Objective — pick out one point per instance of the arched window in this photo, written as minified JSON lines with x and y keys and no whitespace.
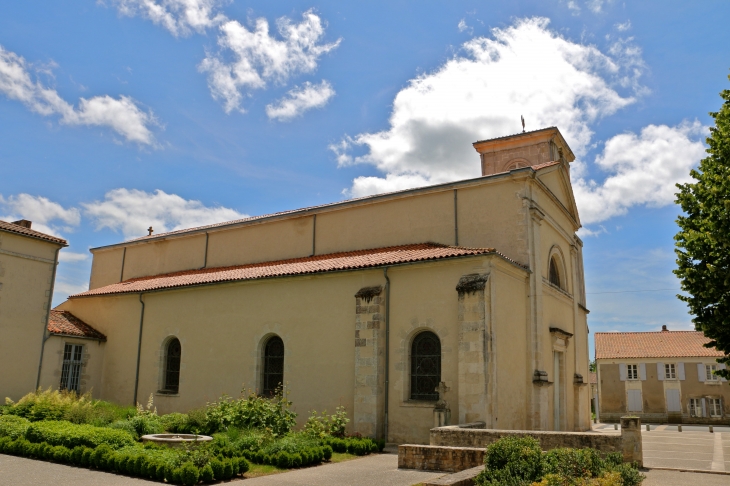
{"x":171,"y":377}
{"x":273,"y":365}
{"x":425,"y":366}
{"x":555,"y":272}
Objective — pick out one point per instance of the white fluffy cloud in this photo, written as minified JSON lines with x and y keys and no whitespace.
{"x":525,"y":69}
{"x":132,"y":211}
{"x":68,"y":256}
{"x":180,"y":17}
{"x":47,"y":216}
{"x":121,"y":115}
{"x":643,"y":170}
{"x":251,"y":59}
{"x":299,"y":100}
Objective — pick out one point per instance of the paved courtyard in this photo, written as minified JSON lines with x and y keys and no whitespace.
{"x":693,"y":448}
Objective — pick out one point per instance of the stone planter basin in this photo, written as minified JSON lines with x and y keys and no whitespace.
{"x":176,"y":440}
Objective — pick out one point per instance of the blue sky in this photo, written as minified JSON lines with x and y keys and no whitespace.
{"x":115,"y":115}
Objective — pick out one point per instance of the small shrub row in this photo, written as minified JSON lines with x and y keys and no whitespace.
{"x":128,"y":462}
{"x":62,"y":433}
{"x":519,"y":461}
{"x":353,"y":445}
{"x":288,"y":460}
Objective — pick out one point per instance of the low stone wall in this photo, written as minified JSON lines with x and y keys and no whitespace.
{"x":439,"y":458}
{"x":459,"y":447}
{"x":456,"y":436}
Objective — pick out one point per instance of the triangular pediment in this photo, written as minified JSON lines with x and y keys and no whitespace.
{"x":557,"y":181}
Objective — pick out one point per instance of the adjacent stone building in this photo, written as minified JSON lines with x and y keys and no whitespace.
{"x":662,"y":377}
{"x":369,"y":303}
{"x":28,"y":261}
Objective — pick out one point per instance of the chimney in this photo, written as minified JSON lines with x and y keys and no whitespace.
{"x":664,"y":328}
{"x":525,"y":149}
{"x":24,"y":223}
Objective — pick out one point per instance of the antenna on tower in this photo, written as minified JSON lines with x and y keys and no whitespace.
{"x":523,"y":123}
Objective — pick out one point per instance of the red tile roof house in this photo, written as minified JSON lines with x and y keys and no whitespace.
{"x":663,"y":377}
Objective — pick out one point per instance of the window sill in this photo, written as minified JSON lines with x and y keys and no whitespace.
{"x":712,"y":382}
{"x":162,"y":393}
{"x":418,"y":404}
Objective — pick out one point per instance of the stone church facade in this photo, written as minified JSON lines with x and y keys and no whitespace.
{"x":368,"y":303}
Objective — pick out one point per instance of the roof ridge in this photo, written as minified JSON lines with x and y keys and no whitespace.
{"x":317,"y":206}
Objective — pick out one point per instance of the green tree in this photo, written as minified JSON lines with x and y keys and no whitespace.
{"x":703,"y":242}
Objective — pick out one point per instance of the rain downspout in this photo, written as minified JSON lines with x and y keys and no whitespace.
{"x":124,"y":257}
{"x":387,"y":351}
{"x":456,"y":220}
{"x":139,"y":347}
{"x":48,"y":315}
{"x":205,"y":259}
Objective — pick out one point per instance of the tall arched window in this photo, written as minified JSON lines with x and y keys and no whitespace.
{"x":425,"y":366}
{"x":273,"y":365}
{"x":171,"y":377}
{"x":555,"y":272}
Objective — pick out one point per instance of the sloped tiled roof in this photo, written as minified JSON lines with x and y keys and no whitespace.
{"x":63,"y":322}
{"x":332,"y":262}
{"x":22,"y":230}
{"x":313,"y":208}
{"x":662,"y":344}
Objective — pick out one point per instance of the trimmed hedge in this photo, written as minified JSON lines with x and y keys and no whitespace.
{"x":141,"y":462}
{"x":62,"y":433}
{"x":13,"y":426}
{"x":354,"y":445}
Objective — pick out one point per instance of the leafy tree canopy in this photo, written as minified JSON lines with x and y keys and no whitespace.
{"x":703,"y":242}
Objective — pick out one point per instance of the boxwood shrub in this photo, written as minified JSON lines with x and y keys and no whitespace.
{"x":72,"y":435}
{"x":13,"y":426}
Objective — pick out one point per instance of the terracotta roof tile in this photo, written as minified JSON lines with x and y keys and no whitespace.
{"x":63,"y":322}
{"x":662,"y":344}
{"x":350,"y":260}
{"x":22,"y":230}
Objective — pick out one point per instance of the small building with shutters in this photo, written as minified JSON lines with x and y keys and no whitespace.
{"x":662,"y":377}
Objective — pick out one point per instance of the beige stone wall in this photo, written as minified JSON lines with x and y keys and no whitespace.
{"x":106,"y":267}
{"x":504,"y":160}
{"x":26,"y":269}
{"x":91,"y":368}
{"x":488,"y":213}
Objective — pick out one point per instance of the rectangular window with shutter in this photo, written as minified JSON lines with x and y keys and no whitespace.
{"x":670,"y":371}
{"x":715,"y":406}
{"x":632,"y":372}
{"x":710,"y":373}
{"x":695,"y":407}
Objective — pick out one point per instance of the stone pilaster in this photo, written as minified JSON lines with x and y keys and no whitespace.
{"x":369,"y":362}
{"x":475,"y":351}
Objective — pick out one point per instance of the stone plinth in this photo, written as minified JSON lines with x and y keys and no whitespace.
{"x":631,"y":440}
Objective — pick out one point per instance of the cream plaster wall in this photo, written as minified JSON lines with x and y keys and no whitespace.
{"x":164,"y":256}
{"x":276,"y":240}
{"x":106,"y":267}
{"x":26,"y":269}
{"x":91,"y":368}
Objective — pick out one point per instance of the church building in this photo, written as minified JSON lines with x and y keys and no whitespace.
{"x":368,"y":303}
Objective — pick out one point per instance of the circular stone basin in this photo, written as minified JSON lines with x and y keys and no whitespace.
{"x":176,"y":440}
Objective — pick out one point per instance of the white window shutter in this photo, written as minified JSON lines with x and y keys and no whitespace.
{"x":680,"y":371}
{"x":721,"y":366}
{"x":701,"y":373}
{"x":704,"y":407}
{"x":660,"y":371}
{"x":622,"y":371}
{"x":642,"y":371}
